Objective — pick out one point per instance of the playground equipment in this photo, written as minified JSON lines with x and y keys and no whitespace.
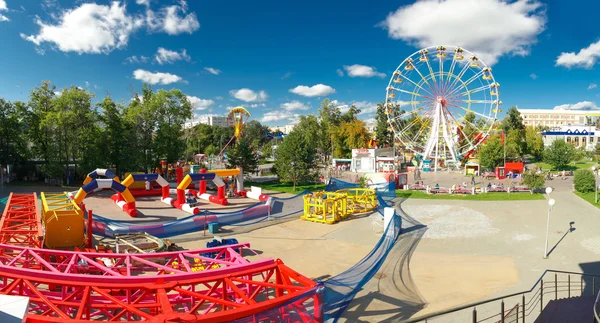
{"x":63,"y":221}
{"x":237,"y":118}
{"x":331,"y":207}
{"x":124,"y":200}
{"x":452,"y":113}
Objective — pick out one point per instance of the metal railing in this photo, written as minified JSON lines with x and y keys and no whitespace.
{"x":596,"y":304}
{"x":524,"y":306}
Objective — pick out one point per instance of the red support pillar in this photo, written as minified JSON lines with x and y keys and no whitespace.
{"x":202,"y":188}
{"x":179,"y":174}
{"x":89,"y":229}
{"x":165,"y":192}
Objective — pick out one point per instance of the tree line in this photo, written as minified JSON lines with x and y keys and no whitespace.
{"x":62,"y":134}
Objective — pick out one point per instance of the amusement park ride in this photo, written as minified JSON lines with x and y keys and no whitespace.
{"x":47,"y":256}
{"x":435,"y":126}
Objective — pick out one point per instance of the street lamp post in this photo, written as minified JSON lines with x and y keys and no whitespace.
{"x":551,"y":203}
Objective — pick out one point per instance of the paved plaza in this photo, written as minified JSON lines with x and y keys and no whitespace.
{"x":464,"y":251}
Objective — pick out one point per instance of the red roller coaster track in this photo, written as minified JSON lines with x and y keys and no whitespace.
{"x":20,"y":223}
{"x":208,"y":285}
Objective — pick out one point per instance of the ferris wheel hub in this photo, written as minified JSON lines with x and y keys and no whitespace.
{"x":441,"y":100}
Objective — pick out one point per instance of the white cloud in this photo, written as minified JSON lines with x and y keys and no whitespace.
{"x":219,"y":97}
{"x":315,"y":90}
{"x":156,"y":78}
{"x":533,"y":76}
{"x":89,"y":28}
{"x":3,"y":7}
{"x":165,"y":56}
{"x":135,"y":60}
{"x":273,"y":116}
{"x":256,"y":105}
{"x":169,"y":20}
{"x":57,"y":93}
{"x":212,"y":71}
{"x":294,"y":105}
{"x":592,"y":86}
{"x":339,"y":72}
{"x":87,"y":84}
{"x":248,"y":95}
{"x":143,"y":2}
{"x":584,"y":105}
{"x":358,"y":70}
{"x":366,"y":107}
{"x":200,"y":104}
{"x":586,"y":58}
{"x":503,"y":27}
{"x":286,"y":75}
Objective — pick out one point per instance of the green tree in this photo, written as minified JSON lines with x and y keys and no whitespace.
{"x":513,"y":120}
{"x":383,"y":135}
{"x":75,"y":131}
{"x":13,"y":145}
{"x":329,"y":116}
{"x":584,"y":181}
{"x":559,"y":154}
{"x":171,"y":109}
{"x":295,"y":159}
{"x":308,"y":126}
{"x":40,"y":105}
{"x":266,"y":151}
{"x":242,"y":154}
{"x":533,"y":181}
{"x":114,"y":132}
{"x":515,"y":143}
{"x":491,"y":154}
{"x":597,"y":149}
{"x":534,"y":142}
{"x":256,"y":133}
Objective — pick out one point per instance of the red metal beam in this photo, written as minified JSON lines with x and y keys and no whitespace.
{"x":20,"y":224}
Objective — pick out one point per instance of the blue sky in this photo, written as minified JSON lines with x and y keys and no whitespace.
{"x":287,"y":56}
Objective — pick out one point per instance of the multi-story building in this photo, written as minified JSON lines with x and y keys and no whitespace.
{"x":557,"y":118}
{"x":209,"y":119}
{"x":579,"y":136}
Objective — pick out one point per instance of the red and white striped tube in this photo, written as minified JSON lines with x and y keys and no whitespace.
{"x":129,"y":208}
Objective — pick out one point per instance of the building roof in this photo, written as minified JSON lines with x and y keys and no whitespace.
{"x":581,"y":112}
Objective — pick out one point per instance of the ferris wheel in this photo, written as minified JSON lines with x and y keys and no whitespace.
{"x":441,"y":103}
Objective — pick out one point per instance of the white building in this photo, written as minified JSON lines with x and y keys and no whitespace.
{"x":578,"y":136}
{"x":209,"y":119}
{"x":285,"y":129}
{"x":557,"y":118}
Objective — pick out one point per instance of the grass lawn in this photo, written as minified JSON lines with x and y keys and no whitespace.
{"x":477,"y":197}
{"x":287,"y":187}
{"x":590,"y":196}
{"x":572,"y":166}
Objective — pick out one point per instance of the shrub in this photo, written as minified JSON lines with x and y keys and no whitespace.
{"x":362,"y":181}
{"x":533,"y":181}
{"x":584,"y":181}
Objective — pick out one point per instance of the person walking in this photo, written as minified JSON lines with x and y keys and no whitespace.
{"x":472,"y":179}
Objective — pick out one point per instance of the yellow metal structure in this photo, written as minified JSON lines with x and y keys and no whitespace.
{"x":225,"y":172}
{"x":331,"y":207}
{"x":63,"y":221}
